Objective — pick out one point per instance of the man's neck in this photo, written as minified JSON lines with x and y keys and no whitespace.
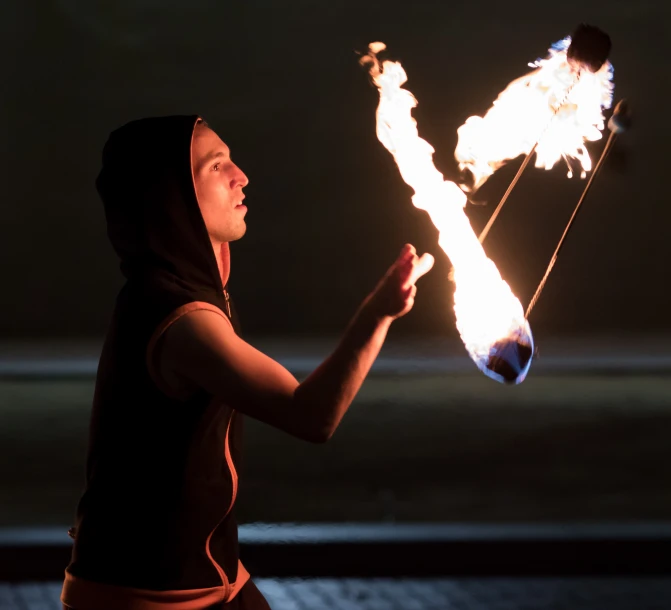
{"x":216,"y":246}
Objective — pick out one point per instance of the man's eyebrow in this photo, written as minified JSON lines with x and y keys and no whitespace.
{"x":211,"y":156}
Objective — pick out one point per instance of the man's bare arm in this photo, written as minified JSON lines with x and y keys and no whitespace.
{"x":203,"y":349}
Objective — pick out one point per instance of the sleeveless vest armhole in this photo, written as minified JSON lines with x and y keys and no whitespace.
{"x":152,"y":353}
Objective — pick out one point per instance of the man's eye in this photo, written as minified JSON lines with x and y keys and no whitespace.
{"x":216,"y":167}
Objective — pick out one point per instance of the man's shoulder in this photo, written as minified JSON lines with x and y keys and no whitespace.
{"x":193,"y":337}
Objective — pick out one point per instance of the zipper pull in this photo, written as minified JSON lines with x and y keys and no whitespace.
{"x":228,"y":303}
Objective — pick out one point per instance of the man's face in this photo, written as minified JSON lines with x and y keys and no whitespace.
{"x":219,"y":183}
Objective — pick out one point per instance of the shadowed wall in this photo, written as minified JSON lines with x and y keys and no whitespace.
{"x":327,"y":208}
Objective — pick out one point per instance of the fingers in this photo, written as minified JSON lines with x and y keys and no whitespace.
{"x":407,"y":252}
{"x":403,"y":265}
{"x":413,"y":292}
{"x":410,"y":298}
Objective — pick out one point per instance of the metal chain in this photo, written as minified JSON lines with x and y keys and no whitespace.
{"x":553,"y":260}
{"x":525,"y":163}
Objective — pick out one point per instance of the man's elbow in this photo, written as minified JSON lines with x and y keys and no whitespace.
{"x":318,"y":435}
{"x":312,"y":422}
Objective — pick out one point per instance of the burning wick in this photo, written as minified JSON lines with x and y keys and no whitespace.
{"x":489,"y":317}
{"x":551,"y":111}
{"x":587,"y":52}
{"x":589,"y":48}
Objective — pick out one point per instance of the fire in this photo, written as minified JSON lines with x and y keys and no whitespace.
{"x":558,"y":106}
{"x":489,"y":317}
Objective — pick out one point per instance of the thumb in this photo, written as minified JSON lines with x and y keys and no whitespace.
{"x":420,"y":268}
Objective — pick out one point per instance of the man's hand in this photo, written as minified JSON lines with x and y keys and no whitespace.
{"x":394,"y":296}
{"x":201,"y":350}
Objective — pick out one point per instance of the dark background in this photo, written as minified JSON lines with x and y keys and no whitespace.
{"x":327,"y":208}
{"x":428,"y":439}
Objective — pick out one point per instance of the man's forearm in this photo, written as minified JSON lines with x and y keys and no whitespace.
{"x":324,"y":397}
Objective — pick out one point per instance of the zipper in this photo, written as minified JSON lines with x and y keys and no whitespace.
{"x":234,"y":484}
{"x":228,"y":306}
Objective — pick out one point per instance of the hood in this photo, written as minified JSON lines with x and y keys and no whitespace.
{"x":153,"y":218}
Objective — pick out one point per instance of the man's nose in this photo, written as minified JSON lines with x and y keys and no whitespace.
{"x":239,"y":179}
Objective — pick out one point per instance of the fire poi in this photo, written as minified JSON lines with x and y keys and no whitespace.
{"x":551,"y":112}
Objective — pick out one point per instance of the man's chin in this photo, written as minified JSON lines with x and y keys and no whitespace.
{"x":240,"y":232}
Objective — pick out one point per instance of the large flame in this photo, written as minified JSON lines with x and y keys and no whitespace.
{"x":559,"y":105}
{"x":486,"y":309}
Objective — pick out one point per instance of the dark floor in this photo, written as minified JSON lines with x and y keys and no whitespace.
{"x":446,"y":448}
{"x":407,"y":594}
{"x":426,"y":440}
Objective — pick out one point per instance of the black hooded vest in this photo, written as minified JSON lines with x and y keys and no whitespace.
{"x":155,"y":523}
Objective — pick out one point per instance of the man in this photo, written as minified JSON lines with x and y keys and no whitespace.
{"x":155,"y":527}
